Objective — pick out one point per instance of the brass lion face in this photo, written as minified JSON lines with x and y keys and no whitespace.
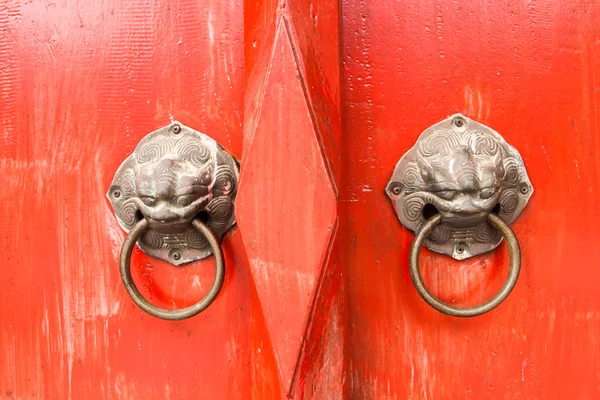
{"x":462,"y":170}
{"x":174,"y":175}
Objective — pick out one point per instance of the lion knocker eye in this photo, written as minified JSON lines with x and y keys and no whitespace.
{"x":447,"y":194}
{"x":186,"y":200}
{"x":486,"y":193}
{"x":148,"y":200}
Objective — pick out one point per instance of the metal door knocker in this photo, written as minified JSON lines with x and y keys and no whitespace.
{"x":459,"y":188}
{"x":175,"y":197}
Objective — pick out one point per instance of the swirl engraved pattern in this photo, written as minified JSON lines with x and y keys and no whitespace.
{"x":153,"y":239}
{"x":481,"y":143}
{"x":511,"y":172}
{"x":509,"y":200}
{"x":484,"y":233}
{"x":195,"y":239}
{"x":153,"y":150}
{"x":412,"y":177}
{"x":440,"y":234}
{"x":441,"y":141}
{"x":128,"y":212}
{"x":225,"y":181}
{"x":127,"y":183}
{"x":190,"y":149}
{"x":413,"y":208}
{"x":445,"y":141}
{"x":221,"y":211}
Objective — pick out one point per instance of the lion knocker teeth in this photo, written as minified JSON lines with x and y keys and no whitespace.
{"x":463,"y":171}
{"x":175,"y":175}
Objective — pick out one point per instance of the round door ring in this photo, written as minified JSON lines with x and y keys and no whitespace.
{"x":513,"y":272}
{"x":125,"y":266}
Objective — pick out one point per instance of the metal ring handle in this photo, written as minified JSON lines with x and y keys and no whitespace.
{"x":513,"y":272}
{"x":125,"y":266}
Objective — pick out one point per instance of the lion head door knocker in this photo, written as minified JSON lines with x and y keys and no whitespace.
{"x":459,"y":188}
{"x":175,"y":197}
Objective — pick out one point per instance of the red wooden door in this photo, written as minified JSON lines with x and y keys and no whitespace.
{"x":81,"y":83}
{"x":319,"y":100}
{"x":530,"y":71}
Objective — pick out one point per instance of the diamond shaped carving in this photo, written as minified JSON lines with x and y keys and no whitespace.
{"x":286,"y":207}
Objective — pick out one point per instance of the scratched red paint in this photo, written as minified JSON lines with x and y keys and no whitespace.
{"x":286,"y":191}
{"x":80,"y":84}
{"x":285,"y":251}
{"x":530,"y":70}
{"x":82,"y":81}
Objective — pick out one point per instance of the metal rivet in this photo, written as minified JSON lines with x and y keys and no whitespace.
{"x":524,"y":189}
{"x":116,"y":194}
{"x":175,"y":255}
{"x":176,"y":129}
{"x":459,"y":122}
{"x":396,"y":189}
{"x":461,"y":248}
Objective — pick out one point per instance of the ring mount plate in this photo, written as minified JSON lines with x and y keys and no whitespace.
{"x":462,"y":170}
{"x":174,"y":175}
{"x":179,"y":314}
{"x":514,"y":269}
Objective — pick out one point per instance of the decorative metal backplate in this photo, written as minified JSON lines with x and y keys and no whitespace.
{"x":174,"y":175}
{"x":463,"y":170}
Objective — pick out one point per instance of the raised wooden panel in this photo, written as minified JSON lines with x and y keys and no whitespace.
{"x":286,"y":207}
{"x":314,"y":28}
{"x":318,"y":350}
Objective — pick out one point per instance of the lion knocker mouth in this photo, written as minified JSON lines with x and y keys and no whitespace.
{"x":176,"y":174}
{"x":463,"y":171}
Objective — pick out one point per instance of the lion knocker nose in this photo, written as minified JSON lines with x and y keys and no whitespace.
{"x":175,"y":196}
{"x":458,"y":189}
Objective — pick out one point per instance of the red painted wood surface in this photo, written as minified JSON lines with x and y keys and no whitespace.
{"x":319,"y":100}
{"x":81,"y":82}
{"x":286,"y":207}
{"x":288,"y":193}
{"x":531,"y":71}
